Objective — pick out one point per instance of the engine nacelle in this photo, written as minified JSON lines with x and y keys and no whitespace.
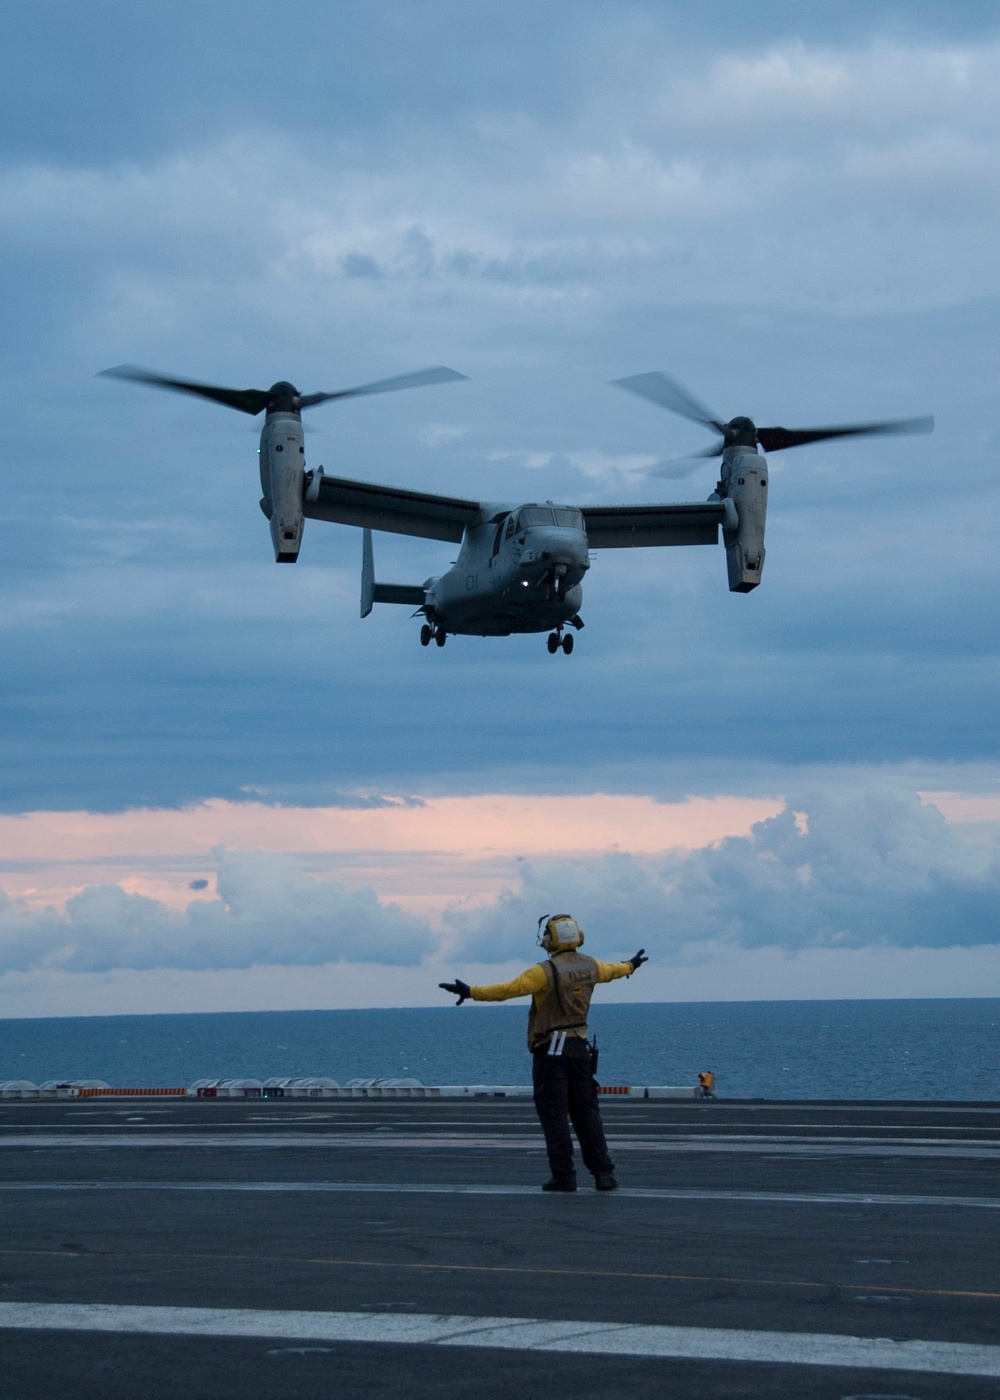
{"x":744,"y":479}
{"x":282,"y":462}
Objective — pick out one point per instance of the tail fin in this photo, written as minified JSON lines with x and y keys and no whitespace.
{"x":367,"y":573}
{"x":372,"y":592}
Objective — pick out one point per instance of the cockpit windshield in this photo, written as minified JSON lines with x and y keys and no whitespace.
{"x":566,"y":516}
{"x":534,"y":515}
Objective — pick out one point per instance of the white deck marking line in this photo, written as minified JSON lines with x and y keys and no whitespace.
{"x":127,"y":1131}
{"x":513,"y":1334}
{"x":523,"y":1117}
{"x":330,"y":1142}
{"x":391,"y":1188}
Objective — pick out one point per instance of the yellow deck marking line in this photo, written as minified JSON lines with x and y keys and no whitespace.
{"x":505,"y":1269}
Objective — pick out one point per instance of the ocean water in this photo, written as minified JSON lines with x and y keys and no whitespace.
{"x":928,"y":1049}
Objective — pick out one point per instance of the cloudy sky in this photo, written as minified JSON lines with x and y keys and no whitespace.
{"x":220,"y":788}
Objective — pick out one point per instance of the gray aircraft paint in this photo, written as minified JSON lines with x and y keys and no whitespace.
{"x":520,"y":568}
{"x":743,"y":487}
{"x":515,"y":572}
{"x":282,"y":464}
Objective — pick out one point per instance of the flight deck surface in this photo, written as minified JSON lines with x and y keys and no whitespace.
{"x":302,"y":1248}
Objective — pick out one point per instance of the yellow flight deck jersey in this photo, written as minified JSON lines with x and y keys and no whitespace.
{"x":541,"y":981}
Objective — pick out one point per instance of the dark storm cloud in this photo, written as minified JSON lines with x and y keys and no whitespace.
{"x":799,"y":218}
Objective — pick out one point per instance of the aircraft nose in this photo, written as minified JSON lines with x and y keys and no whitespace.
{"x":567,"y":548}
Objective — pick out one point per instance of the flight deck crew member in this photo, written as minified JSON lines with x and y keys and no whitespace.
{"x":562,"y":1060}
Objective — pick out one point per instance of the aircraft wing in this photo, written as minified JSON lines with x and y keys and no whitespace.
{"x":629,"y":527}
{"x":390,"y":508}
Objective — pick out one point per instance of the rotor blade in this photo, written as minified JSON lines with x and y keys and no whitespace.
{"x":667,"y":393}
{"x":438,"y":374}
{"x":774,"y":439}
{"x":245,"y":400}
{"x":674,"y":468}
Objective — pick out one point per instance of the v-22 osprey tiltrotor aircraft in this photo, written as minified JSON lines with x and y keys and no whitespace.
{"x":521,"y":566}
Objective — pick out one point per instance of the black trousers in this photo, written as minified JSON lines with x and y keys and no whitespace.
{"x":566,"y":1090}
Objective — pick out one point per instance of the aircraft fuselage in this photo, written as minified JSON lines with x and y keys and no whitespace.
{"x":519,"y":570}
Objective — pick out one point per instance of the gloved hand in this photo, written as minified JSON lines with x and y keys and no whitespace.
{"x":458,"y":989}
{"x":637,"y":959}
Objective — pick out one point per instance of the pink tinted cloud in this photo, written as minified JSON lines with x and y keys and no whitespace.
{"x":495,"y":822}
{"x":961,"y":808}
{"x":421,"y":856}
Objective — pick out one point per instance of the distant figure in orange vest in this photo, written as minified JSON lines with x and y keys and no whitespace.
{"x":563,"y":1063}
{"x":706,"y":1083}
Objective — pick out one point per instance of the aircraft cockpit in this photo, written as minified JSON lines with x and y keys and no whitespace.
{"x":566,"y":517}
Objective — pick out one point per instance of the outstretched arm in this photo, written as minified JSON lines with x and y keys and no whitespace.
{"x":608,"y":972}
{"x":531,"y":980}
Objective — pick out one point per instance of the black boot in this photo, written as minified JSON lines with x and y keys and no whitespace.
{"x":560,"y":1183}
{"x":606,"y":1182}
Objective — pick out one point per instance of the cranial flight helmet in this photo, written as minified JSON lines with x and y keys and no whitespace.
{"x":560,"y":933}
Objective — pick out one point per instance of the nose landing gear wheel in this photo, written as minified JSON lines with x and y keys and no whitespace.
{"x":567,"y":643}
{"x":440,"y":636}
{"x":553,"y":643}
{"x":425,"y":635}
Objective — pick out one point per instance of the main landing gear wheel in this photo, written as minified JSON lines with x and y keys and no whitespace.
{"x":425,"y":635}
{"x":567,"y":643}
{"x":553,"y":643}
{"x":440,"y":636}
